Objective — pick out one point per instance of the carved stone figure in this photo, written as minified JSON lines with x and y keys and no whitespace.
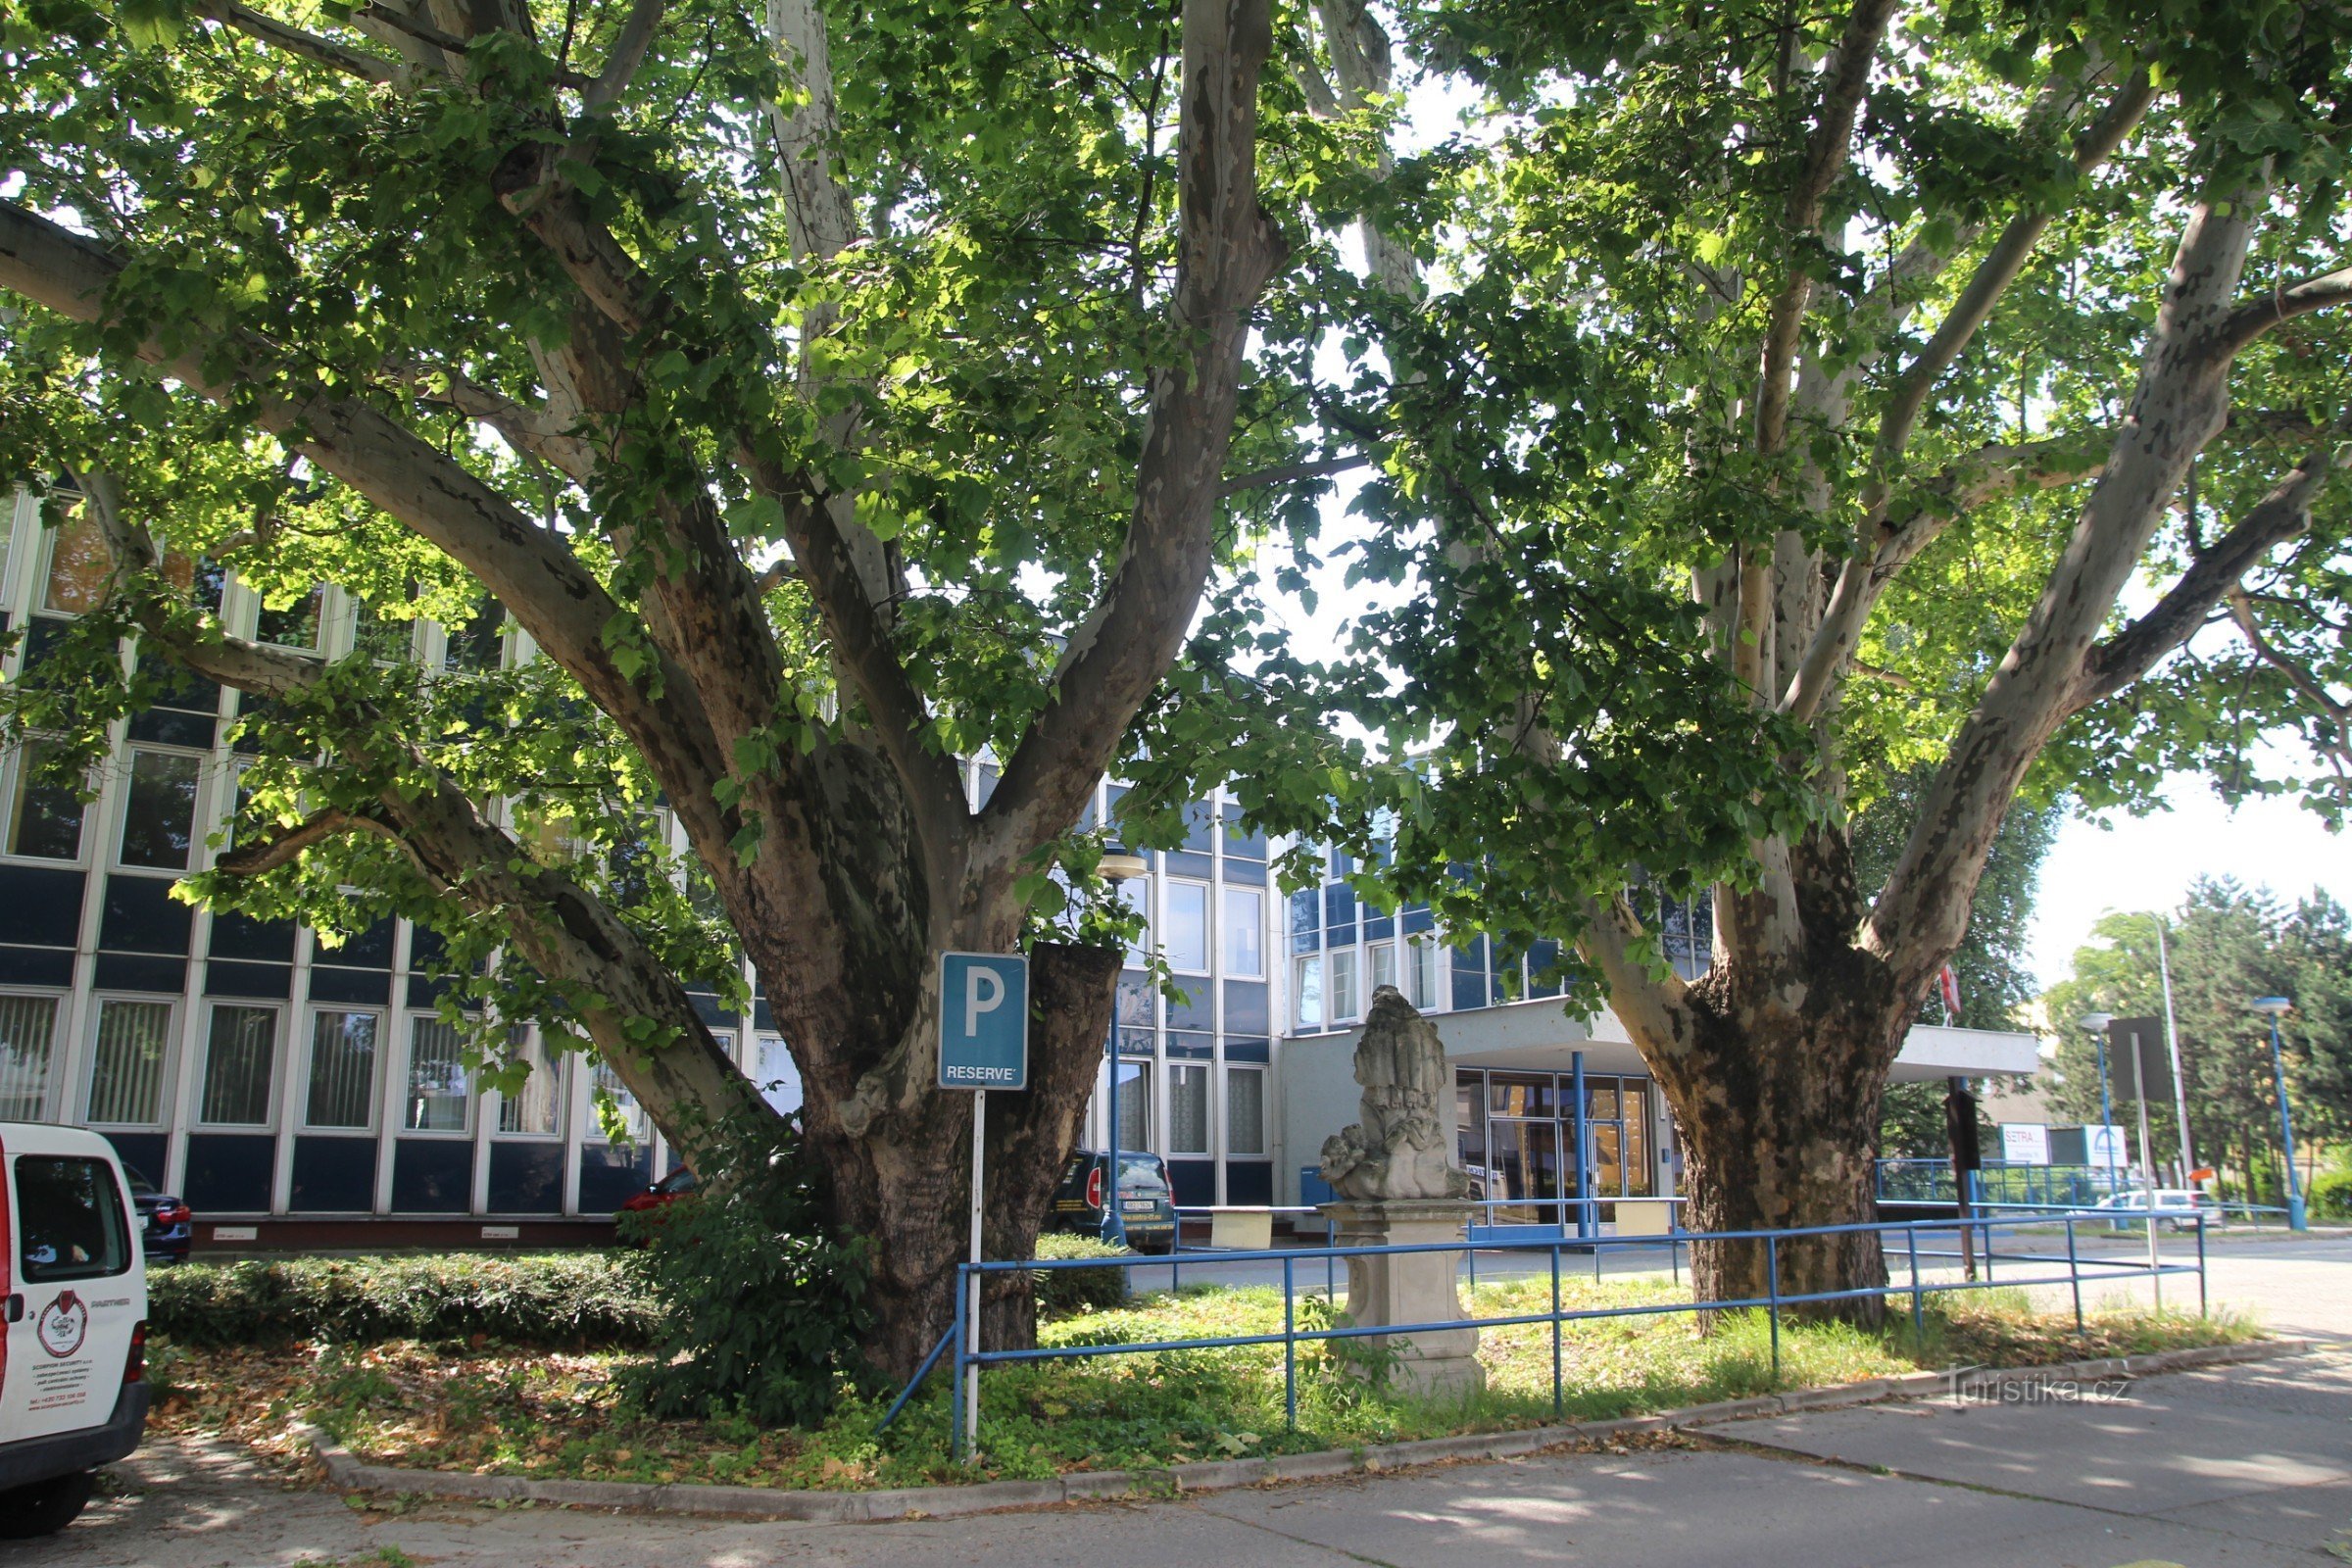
{"x":1402,"y":1147}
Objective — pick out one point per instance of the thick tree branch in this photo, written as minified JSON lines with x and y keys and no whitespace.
{"x":2253,"y":318}
{"x":558,"y":927}
{"x":628,"y":53}
{"x":1827,"y":150}
{"x":566,"y":609}
{"x":1995,"y":272}
{"x":1228,"y":251}
{"x":2189,"y":605}
{"x":1292,"y":474}
{"x":295,"y":41}
{"x":2181,"y":402}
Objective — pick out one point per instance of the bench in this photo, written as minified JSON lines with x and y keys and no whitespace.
{"x":1645,"y":1216}
{"x":1242,"y":1229}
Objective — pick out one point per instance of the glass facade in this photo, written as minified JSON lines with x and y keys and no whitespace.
{"x":1517,"y":1132}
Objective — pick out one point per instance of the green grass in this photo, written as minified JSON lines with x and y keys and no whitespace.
{"x":497,"y":1409}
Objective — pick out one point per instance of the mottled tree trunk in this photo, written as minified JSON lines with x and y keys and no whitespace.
{"x":899,"y":1183}
{"x":1778,"y":1127}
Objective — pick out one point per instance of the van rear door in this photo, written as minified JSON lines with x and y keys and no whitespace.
{"x":76,"y":1290}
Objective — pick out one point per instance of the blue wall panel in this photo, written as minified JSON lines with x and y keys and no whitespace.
{"x":432,"y":1176}
{"x":333,"y":1175}
{"x":228,"y":1173}
{"x":526,"y":1178}
{"x":609,"y":1175}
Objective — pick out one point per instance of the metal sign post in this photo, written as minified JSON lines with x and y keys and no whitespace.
{"x":2142,"y":1080}
{"x":983,"y":1045}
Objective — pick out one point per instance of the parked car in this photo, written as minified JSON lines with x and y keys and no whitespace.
{"x":73,"y":1323}
{"x":166,"y":1226}
{"x":664,"y":1192}
{"x":1147,"y":1200}
{"x":2175,"y":1208}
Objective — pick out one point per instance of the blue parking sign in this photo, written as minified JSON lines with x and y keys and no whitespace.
{"x":982,"y":1020}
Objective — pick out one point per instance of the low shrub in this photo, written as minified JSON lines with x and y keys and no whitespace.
{"x":1067,"y":1292}
{"x":554,"y":1300}
{"x":2330,"y":1195}
{"x":759,"y":1306}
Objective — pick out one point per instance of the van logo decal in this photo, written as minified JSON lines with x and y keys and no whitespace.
{"x":63,"y":1324}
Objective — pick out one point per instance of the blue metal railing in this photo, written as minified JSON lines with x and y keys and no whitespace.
{"x":1906,"y":1236}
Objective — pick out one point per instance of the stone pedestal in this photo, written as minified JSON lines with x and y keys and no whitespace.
{"x":1410,"y":1287}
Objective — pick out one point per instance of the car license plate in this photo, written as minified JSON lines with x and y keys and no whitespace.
{"x":1138,"y":1205}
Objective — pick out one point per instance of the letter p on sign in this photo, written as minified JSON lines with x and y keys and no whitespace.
{"x":982,"y":1020}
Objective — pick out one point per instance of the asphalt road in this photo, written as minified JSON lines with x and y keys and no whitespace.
{"x":2245,"y":1465}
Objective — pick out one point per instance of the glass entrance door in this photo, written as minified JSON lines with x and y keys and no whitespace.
{"x":1525,"y":1171}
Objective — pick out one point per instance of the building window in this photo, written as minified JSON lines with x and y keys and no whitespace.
{"x":158,"y":817}
{"x":79,"y":565}
{"x":44,"y":815}
{"x":1245,"y":1110}
{"x":617,"y":1113}
{"x":1135,"y":1105}
{"x":1309,"y":991}
{"x":437,"y":1100}
{"x":1424,"y":970}
{"x":295,"y":626}
{"x":1380,"y":959}
{"x":240,"y":1067}
{"x":1343,"y":998}
{"x":27,"y":1037}
{"x":342,"y":1069}
{"x":1188,"y":1107}
{"x":476,"y":646}
{"x":380,"y":638}
{"x":777,"y":1073}
{"x":1244,"y":933}
{"x":1184,"y":909}
{"x":535,"y":1107}
{"x":126,"y":1069}
{"x":1137,"y":896}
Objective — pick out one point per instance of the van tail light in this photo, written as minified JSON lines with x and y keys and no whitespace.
{"x":134,"y":1370}
{"x":1093,"y":1188}
{"x":179,"y":1214}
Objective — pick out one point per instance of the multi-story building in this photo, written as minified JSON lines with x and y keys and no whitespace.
{"x":290,"y":1089}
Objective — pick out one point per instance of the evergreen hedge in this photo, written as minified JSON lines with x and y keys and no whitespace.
{"x":553,"y":1300}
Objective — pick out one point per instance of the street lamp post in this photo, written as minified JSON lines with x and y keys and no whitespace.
{"x":2272,"y":1008}
{"x":1119,"y":869}
{"x":2096,"y":1023}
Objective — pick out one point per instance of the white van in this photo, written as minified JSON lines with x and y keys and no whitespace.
{"x":73,"y":1297}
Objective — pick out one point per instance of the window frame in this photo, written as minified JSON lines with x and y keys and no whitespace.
{"x":1300,"y":963}
{"x":1374,"y":954}
{"x":1179,"y":1073}
{"x":1342,"y":958}
{"x":129,"y":754}
{"x":100,"y":1000}
{"x":277,"y":1057}
{"x":558,"y":1068}
{"x":59,"y":1013}
{"x":1208,"y":924}
{"x":1232,"y":1070}
{"x":12,"y":778}
{"x":375,"y":1072}
{"x":408,"y":1081}
{"x":1230,"y":925}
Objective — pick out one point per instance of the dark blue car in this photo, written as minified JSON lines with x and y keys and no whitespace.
{"x":1146,"y":1206}
{"x":166,"y":1226}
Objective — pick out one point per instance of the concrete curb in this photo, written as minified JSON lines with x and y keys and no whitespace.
{"x":351,"y":1474}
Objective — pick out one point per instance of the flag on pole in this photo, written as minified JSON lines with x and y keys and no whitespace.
{"x":1947,"y":985}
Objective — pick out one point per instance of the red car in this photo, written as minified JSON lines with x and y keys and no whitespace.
{"x":668,"y":1190}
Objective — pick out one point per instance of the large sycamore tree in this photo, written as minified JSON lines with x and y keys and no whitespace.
{"x":825,"y":395}
{"x":1961,"y":387}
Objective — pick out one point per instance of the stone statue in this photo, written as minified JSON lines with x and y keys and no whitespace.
{"x":1401,"y":1148}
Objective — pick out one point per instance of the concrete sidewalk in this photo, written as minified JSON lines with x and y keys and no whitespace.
{"x":2250,"y":1464}
{"x":2243,"y":1465}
